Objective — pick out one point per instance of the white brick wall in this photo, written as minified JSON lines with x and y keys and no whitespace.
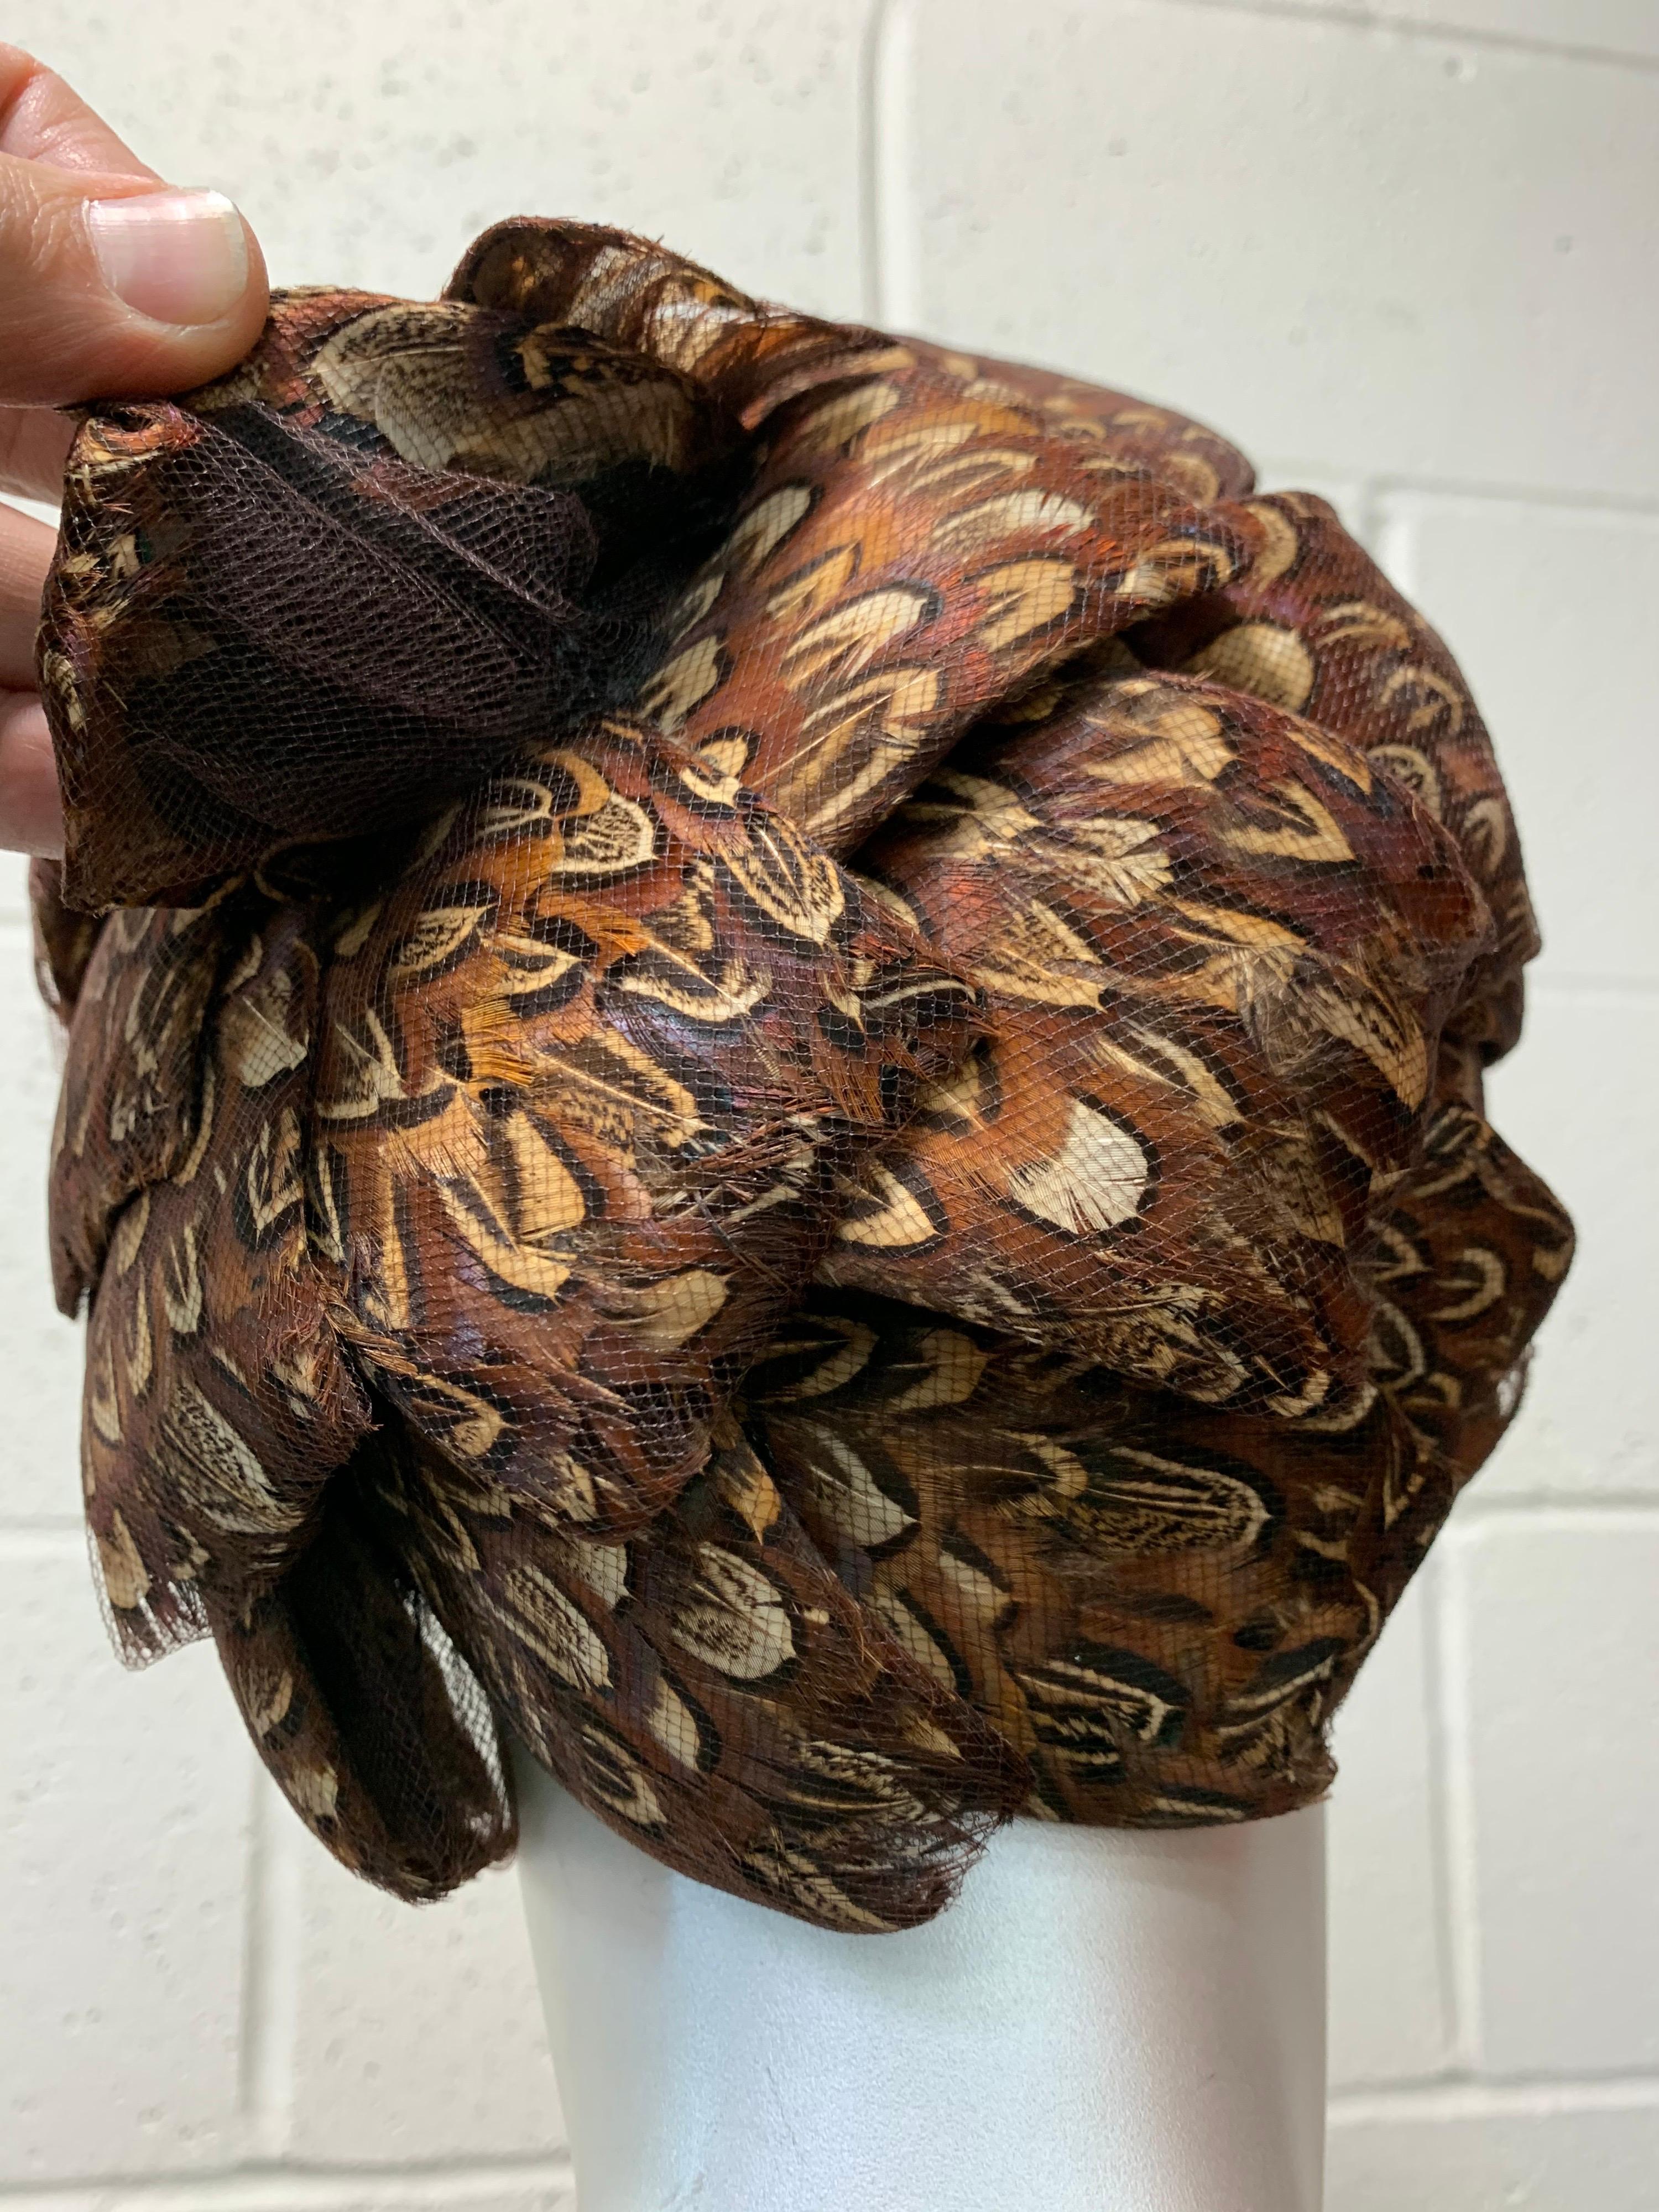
{"x":1406,"y":254}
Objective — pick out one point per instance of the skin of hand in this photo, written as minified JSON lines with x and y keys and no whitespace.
{"x":113,"y":282}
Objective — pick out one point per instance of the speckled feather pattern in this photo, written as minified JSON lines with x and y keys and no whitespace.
{"x":774,"y":1054}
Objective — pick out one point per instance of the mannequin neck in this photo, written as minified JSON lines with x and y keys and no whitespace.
{"x":1106,"y":2021}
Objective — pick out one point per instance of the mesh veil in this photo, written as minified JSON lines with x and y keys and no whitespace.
{"x":775,"y":1044}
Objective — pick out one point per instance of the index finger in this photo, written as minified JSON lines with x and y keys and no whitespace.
{"x":25,"y":557}
{"x":35,"y":443}
{"x":44,"y":119}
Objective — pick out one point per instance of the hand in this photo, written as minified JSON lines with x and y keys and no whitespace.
{"x":110,"y":282}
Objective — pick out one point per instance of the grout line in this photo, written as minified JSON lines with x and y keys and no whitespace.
{"x":1368,"y":516}
{"x":870,"y":177}
{"x":1567,"y":1516}
{"x":1571,"y":984}
{"x":1438,"y":1765}
{"x":24,"y":1540}
{"x":271,"y":1971}
{"x":1393,"y":546}
{"x":1568,"y":1508}
{"x":1397,"y":485}
{"x":260,"y":2185}
{"x":1385,"y":485}
{"x":886,"y":244}
{"x":1455,"y":1836}
{"x":1533,"y":2096}
{"x":1408,"y":27}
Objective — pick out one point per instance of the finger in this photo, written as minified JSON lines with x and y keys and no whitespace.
{"x":25,"y":556}
{"x":35,"y":443}
{"x":109,"y":285}
{"x":42,"y":119}
{"x":31,"y":812}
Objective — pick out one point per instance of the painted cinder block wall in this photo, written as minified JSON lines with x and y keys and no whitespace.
{"x":1406,"y":256}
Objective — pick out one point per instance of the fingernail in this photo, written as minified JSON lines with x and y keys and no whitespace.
{"x":176,"y":257}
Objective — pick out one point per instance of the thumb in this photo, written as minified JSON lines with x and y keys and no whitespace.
{"x":112,"y":283}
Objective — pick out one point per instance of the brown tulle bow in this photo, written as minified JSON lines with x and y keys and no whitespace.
{"x":781,"y":1085}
